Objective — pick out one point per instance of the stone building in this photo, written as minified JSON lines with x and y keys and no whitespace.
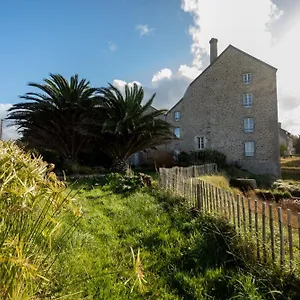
{"x":231,"y":107}
{"x":286,"y":140}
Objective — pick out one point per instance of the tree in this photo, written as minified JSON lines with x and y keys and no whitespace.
{"x":52,"y":117}
{"x":127,"y":125}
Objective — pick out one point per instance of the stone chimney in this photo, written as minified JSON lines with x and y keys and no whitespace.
{"x":213,"y":50}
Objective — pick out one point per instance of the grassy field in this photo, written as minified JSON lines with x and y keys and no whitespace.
{"x":147,"y":245}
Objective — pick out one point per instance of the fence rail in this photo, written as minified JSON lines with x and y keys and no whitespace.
{"x":269,"y":225}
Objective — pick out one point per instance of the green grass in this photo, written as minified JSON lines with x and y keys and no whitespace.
{"x":182,"y":255}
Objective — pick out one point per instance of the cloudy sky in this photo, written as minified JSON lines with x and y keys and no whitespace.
{"x":161,"y":44}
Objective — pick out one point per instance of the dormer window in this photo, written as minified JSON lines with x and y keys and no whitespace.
{"x":247,"y":78}
{"x":176,"y":116}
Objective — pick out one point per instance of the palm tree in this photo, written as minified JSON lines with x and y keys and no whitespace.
{"x":52,"y":116}
{"x":129,"y":126}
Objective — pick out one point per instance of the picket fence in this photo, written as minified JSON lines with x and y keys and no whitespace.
{"x":275,"y":231}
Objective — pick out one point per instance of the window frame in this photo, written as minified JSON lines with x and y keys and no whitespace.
{"x":200,"y":141}
{"x":247,"y":78}
{"x":177,"y":128}
{"x":177,"y":119}
{"x":248,"y":100}
{"x":247,"y":128}
{"x":246,"y":153}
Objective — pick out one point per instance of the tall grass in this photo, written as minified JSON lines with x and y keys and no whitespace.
{"x":150,"y":245}
{"x":33,"y":207}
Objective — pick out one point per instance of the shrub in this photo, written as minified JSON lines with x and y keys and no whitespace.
{"x":72,"y":168}
{"x":244,"y":184}
{"x":283,"y":149}
{"x":120,"y":184}
{"x":207,"y":156}
{"x":33,"y":206}
{"x":273,"y":195}
{"x":211,"y":156}
{"x":184,"y":159}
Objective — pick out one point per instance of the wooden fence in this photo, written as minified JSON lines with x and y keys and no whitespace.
{"x":275,"y":237}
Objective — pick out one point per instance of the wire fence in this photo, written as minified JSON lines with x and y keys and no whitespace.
{"x":269,"y":226}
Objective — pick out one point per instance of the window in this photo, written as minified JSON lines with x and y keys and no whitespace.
{"x":177,"y":132}
{"x":249,"y":148}
{"x":248,"y":125}
{"x":200,"y":142}
{"x":247,"y":100}
{"x":176,"y":115}
{"x":247,"y":78}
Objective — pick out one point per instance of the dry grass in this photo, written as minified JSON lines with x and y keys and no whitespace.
{"x":219,"y":180}
{"x":293,"y":161}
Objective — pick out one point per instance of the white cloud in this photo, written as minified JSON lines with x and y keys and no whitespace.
{"x":120,"y":84}
{"x":188,"y":72}
{"x":144,"y":29}
{"x":250,"y":26}
{"x":163,"y":73}
{"x":112,"y":46}
{"x":232,"y":22}
{"x":9,"y":133}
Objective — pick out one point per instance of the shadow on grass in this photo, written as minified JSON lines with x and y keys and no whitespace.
{"x":213,"y":262}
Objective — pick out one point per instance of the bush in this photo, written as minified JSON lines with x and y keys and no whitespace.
{"x":283,"y":149}
{"x":33,"y":206}
{"x":207,"y":156}
{"x":244,"y":184}
{"x":211,"y":156}
{"x":120,"y":184}
{"x":273,"y":195}
{"x":72,"y":168}
{"x":184,"y":159}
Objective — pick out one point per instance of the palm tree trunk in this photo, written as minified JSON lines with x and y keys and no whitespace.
{"x":120,"y":165}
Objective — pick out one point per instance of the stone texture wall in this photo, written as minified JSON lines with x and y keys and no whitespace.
{"x":213,"y":107}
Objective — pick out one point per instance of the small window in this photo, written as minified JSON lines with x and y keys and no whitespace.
{"x":177,"y":132}
{"x":249,"y":149}
{"x":247,"y":78}
{"x":200,"y":142}
{"x":176,"y":116}
{"x":247,"y":100}
{"x":248,"y":125}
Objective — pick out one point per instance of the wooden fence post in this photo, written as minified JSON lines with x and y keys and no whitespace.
{"x":264,"y":230}
{"x":198,"y":191}
{"x":250,"y":214}
{"x":238,"y":212}
{"x":256,"y":230}
{"x":233,"y":209}
{"x":244,"y":214}
{"x":282,"y":254}
{"x":272,"y":232}
{"x":290,"y":234}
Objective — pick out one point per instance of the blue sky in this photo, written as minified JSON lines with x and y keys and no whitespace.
{"x":101,"y":41}
{"x":67,"y":37}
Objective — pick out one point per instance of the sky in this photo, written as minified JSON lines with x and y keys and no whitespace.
{"x":163,"y":45}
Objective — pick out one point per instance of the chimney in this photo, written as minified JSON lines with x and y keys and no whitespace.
{"x":213,"y":50}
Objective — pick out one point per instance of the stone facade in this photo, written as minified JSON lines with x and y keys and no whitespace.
{"x":212,"y":112}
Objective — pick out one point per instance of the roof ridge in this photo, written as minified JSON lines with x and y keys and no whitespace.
{"x":211,"y":64}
